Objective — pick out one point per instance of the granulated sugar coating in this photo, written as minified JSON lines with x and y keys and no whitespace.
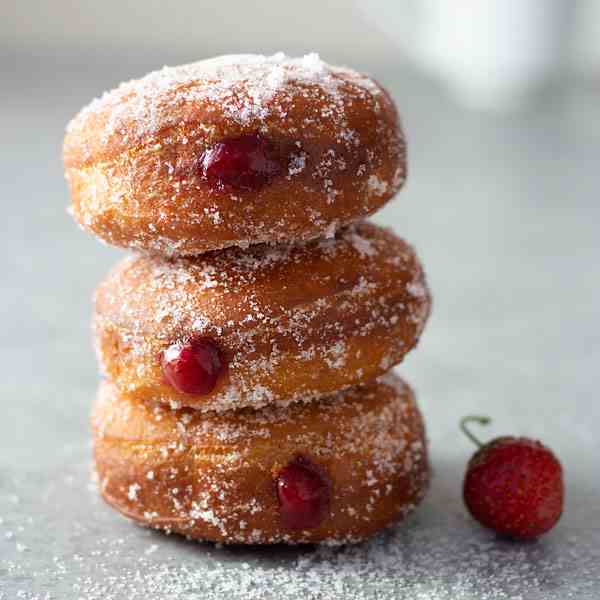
{"x":293,"y":321}
{"x":135,"y":158}
{"x":148,"y":102}
{"x":212,"y":476}
{"x":439,"y":554}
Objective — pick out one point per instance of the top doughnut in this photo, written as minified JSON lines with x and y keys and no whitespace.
{"x":234,"y":150}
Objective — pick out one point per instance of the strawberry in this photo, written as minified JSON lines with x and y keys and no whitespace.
{"x":513,"y":485}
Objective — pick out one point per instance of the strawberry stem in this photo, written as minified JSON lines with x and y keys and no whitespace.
{"x":473,"y":419}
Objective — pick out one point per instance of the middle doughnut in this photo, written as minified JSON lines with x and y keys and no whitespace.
{"x":265,"y":325}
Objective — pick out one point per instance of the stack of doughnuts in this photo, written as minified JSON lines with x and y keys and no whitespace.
{"x":247,"y":343}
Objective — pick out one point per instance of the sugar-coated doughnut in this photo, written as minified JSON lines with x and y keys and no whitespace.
{"x":231,"y":151}
{"x":268,"y":324}
{"x":218,"y":476}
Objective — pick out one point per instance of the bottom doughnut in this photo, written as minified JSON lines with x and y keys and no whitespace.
{"x":335,"y":470}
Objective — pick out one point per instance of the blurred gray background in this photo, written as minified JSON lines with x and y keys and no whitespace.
{"x":501,"y":104}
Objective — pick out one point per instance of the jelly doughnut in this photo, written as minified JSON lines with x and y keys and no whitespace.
{"x":335,"y":470}
{"x":232,"y":151}
{"x":268,"y":324}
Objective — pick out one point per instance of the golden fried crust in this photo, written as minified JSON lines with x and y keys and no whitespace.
{"x":131,"y":157}
{"x":293,"y":321}
{"x":213,"y":477}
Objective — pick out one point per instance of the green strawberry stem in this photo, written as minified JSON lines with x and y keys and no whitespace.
{"x":473,"y":419}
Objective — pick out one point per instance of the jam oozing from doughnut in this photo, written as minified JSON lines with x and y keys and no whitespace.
{"x":193,"y":367}
{"x":247,"y":162}
{"x":304,"y":494}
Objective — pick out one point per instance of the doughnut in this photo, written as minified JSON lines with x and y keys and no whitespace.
{"x":262,"y":325}
{"x":231,"y":151}
{"x":359,"y":456}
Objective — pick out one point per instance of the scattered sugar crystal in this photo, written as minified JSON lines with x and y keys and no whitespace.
{"x":132,"y":491}
{"x":377,"y":186}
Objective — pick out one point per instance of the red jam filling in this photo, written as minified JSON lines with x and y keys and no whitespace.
{"x":193,"y":367}
{"x":247,"y":162}
{"x":304,"y":494}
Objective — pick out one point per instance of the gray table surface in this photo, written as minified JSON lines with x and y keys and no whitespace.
{"x":504,"y":212}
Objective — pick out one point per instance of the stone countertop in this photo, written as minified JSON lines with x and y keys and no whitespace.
{"x":504,"y":212}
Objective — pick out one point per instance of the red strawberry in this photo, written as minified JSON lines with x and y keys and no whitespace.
{"x":513,"y":485}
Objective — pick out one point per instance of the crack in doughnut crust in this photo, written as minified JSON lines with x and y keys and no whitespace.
{"x":292,"y":321}
{"x":131,"y":157}
{"x":213,"y":476}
